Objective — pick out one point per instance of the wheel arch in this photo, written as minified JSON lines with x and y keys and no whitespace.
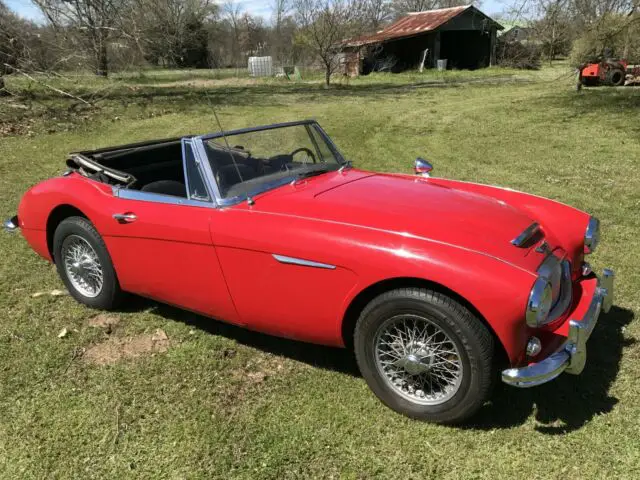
{"x":360,"y":301}
{"x":56,"y":216}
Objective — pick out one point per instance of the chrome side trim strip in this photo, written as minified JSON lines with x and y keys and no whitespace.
{"x":526,"y":235}
{"x":158,"y":198}
{"x":301,"y":262}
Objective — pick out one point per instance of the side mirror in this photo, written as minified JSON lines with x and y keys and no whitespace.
{"x":422,"y":167}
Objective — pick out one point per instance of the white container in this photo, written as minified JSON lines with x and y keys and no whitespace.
{"x":442,"y":64}
{"x":260,"y":66}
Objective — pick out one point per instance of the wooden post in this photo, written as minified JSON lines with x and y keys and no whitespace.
{"x":436,"y":49}
{"x":492,"y":46}
{"x":424,"y":57}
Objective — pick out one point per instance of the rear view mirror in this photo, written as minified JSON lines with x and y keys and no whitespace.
{"x":422,"y":167}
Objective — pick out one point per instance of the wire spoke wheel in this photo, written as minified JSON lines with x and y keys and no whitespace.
{"x":82,"y":266}
{"x":417,"y":359}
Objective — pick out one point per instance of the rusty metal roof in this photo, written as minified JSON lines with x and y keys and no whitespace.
{"x":412,"y":24}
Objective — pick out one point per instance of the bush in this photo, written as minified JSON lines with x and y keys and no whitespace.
{"x":616,"y":34}
{"x":518,"y":55}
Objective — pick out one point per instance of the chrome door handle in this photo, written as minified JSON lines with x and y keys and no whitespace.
{"x":125,"y":217}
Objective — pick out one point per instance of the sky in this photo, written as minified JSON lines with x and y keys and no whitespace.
{"x":262,"y":8}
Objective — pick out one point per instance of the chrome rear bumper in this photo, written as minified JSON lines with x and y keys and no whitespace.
{"x":572,"y":357}
{"x":11,"y":225}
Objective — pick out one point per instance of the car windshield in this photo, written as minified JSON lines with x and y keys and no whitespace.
{"x":259,"y":160}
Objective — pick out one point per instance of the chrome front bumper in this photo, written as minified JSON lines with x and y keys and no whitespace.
{"x":572,"y":356}
{"x":11,"y":225}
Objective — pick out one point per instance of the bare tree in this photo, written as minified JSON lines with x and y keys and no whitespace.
{"x":233,"y":13}
{"x":553,"y":30}
{"x":95,"y":21}
{"x":376,"y":13}
{"x":324,"y":24}
{"x":171,"y":31}
{"x":24,"y":45}
{"x":401,"y":7}
{"x":281,"y":9}
{"x":253,"y":35}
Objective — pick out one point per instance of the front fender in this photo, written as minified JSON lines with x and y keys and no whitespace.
{"x":496,"y":289}
{"x":566,"y":225}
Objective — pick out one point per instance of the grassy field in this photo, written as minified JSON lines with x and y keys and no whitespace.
{"x":153,"y":392}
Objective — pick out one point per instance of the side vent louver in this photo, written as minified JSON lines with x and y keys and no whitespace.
{"x":527,"y":236}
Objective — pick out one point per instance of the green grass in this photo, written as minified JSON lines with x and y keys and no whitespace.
{"x":223,"y":402}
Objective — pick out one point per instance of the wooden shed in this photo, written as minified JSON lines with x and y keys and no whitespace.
{"x":464,"y":36}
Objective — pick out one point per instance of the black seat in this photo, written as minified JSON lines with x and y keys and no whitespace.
{"x":166,"y":187}
{"x":229,"y":175}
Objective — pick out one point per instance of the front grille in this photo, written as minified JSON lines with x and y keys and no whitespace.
{"x":566,"y":293}
{"x":558,"y":273}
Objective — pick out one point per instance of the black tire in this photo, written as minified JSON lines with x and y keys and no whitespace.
{"x":472,"y":340}
{"x":72,"y":228}
{"x":616,"y":77}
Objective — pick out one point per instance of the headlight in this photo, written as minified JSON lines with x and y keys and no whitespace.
{"x":539,"y":304}
{"x":592,"y":235}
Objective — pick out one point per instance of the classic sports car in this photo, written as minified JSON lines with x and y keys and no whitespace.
{"x":438,"y":285}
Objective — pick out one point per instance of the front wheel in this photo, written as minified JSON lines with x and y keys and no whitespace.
{"x":425,"y":355}
{"x":84,"y":264}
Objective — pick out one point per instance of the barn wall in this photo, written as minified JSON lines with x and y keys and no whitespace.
{"x":468,"y":20}
{"x":466,"y":49}
{"x":406,"y":52}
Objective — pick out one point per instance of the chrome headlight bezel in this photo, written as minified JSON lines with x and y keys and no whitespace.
{"x":592,"y":235}
{"x":539,"y":303}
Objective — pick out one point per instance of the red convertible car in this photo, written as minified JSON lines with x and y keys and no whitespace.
{"x":439,"y":286}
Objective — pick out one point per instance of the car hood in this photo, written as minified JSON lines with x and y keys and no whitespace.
{"x":412,"y":207}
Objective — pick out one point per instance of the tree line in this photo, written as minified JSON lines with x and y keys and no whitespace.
{"x":582,"y":29}
{"x":106,"y":35}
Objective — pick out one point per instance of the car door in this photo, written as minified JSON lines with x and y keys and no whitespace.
{"x":280,"y":269}
{"x":161,"y":246}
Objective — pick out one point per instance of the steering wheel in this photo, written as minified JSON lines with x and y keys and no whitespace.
{"x":305,"y":150}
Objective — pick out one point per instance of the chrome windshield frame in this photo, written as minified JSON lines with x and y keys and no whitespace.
{"x":201,"y":155}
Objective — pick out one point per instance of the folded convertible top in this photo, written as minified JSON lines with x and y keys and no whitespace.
{"x":97,"y":162}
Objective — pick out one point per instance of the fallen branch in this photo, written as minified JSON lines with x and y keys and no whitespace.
{"x":62,"y":92}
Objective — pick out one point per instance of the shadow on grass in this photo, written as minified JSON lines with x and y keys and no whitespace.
{"x":257,"y":94}
{"x":569,"y":402}
{"x":328,"y":358}
{"x":563,"y":405}
{"x":596,"y":100}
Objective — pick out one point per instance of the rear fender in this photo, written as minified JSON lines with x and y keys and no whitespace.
{"x":38,"y":203}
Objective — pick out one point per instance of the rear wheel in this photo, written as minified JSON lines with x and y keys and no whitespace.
{"x":84,"y":264}
{"x":425,"y":355}
{"x":616,"y":77}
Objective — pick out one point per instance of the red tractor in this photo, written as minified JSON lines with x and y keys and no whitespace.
{"x":606,"y":72}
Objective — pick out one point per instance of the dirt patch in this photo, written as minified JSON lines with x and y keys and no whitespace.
{"x":117,"y":349}
{"x":203,"y":82}
{"x":249,"y":379}
{"x":104,"y":320}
